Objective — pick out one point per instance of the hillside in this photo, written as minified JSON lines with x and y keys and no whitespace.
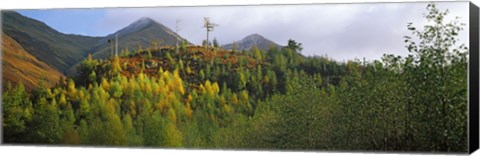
{"x":277,"y":99}
{"x":248,"y":42}
{"x":56,"y":49}
{"x":64,"y":52}
{"x":202,"y":57}
{"x":190,"y":60}
{"x":142,"y":32}
{"x":18,"y":66}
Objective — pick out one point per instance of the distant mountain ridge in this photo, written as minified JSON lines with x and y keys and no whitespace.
{"x":64,"y":52}
{"x":142,"y":33}
{"x":248,"y":42}
{"x":58,"y":50}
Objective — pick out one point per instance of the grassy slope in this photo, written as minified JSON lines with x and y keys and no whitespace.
{"x":134,"y":64}
{"x":58,"y":50}
{"x":18,"y":66}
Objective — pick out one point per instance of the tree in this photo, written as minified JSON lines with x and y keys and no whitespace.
{"x":215,"y":43}
{"x":234,"y":46}
{"x":116,"y":64}
{"x":257,"y":54}
{"x":46,"y":124}
{"x":133,"y":138}
{"x":183,"y":45}
{"x":437,"y":63}
{"x":86,"y":71}
{"x":173,"y":137}
{"x":70,"y":134}
{"x":17,"y":113}
{"x":294,"y":46}
{"x":205,"y":43}
{"x":209,"y":26}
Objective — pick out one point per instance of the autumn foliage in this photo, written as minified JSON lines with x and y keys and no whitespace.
{"x":187,"y":96}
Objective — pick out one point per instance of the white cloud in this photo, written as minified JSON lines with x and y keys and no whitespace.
{"x":341,"y":31}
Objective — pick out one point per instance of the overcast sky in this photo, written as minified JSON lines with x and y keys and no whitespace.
{"x":341,"y":31}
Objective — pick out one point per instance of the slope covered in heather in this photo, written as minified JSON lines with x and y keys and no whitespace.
{"x":18,"y":66}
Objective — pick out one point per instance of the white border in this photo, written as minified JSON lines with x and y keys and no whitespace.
{"x":49,"y":4}
{"x":82,"y":151}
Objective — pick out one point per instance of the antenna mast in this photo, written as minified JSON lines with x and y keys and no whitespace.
{"x":209,"y":26}
{"x":110,"y":44}
{"x":116,"y":45}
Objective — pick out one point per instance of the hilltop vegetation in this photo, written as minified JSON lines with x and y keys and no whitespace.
{"x":192,"y":97}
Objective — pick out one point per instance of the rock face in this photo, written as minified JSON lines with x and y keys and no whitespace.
{"x":248,"y":42}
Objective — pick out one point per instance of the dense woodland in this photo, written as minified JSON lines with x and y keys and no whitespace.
{"x":193,"y":97}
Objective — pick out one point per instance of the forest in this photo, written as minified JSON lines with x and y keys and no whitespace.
{"x":190,"y":96}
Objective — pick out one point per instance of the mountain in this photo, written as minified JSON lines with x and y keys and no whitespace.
{"x":65,"y":51}
{"x":58,"y":50}
{"x":142,"y":32}
{"x":248,"y":42}
{"x":19,"y":66}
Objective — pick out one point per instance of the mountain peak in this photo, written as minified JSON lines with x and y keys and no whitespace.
{"x":144,"y":20}
{"x":141,"y":32}
{"x":254,"y":35}
{"x":135,"y":26}
{"x":140,"y":23}
{"x":253,"y":40}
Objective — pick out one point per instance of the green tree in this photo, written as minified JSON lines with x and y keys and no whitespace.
{"x":17,"y":113}
{"x":46,"y":124}
{"x":435,"y":65}
{"x":294,"y":46}
{"x":215,"y":43}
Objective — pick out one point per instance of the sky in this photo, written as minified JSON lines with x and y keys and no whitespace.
{"x":339,"y":31}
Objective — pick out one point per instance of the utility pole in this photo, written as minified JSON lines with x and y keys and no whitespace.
{"x":116,"y":45}
{"x":363,"y":61}
{"x":209,"y":26}
{"x":110,"y":42}
{"x":328,"y":74}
